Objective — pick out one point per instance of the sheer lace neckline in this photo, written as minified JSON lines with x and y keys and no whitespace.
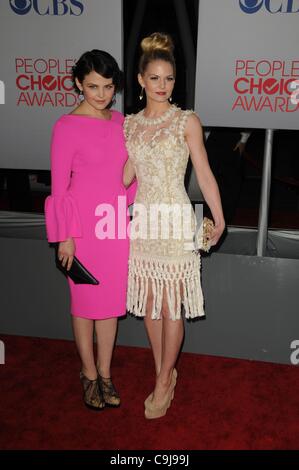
{"x":145,"y":121}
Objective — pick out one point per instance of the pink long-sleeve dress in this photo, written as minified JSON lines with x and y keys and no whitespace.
{"x":87,"y":159}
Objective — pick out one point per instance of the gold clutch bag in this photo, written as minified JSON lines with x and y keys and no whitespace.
{"x":203,"y":235}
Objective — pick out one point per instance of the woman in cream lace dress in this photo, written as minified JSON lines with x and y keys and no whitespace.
{"x":164,"y":269}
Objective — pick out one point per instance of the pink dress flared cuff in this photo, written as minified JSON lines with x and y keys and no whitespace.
{"x":62,"y":218}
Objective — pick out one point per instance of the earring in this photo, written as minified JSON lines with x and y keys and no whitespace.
{"x":141,"y":93}
{"x":170,"y":99}
{"x":81,"y":96}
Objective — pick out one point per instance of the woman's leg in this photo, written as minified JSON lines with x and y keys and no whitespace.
{"x":166,"y":337}
{"x":83,"y":332}
{"x":154,"y":332}
{"x":105,"y":333}
{"x":172,"y":338}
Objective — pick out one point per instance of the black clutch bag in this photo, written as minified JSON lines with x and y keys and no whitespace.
{"x":78,"y":273}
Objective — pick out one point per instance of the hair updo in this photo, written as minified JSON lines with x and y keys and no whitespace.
{"x":157,"y":46}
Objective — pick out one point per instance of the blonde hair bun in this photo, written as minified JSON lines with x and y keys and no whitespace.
{"x":157,"y":41}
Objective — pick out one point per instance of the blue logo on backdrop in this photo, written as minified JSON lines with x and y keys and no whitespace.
{"x":272,"y":6}
{"x":47,"y":7}
{"x":251,"y":6}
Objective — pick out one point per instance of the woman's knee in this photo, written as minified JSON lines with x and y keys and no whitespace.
{"x":165,"y":310}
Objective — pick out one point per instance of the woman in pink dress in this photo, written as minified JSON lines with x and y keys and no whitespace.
{"x":87,"y":158}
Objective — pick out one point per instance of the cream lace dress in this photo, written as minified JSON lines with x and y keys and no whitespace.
{"x":165,"y":262}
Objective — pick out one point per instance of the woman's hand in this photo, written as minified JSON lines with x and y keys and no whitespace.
{"x":217,"y":232}
{"x":66,"y":252}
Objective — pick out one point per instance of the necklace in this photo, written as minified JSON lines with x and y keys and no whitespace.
{"x":145,"y":121}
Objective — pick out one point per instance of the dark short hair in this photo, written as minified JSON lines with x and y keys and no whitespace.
{"x":98,"y":61}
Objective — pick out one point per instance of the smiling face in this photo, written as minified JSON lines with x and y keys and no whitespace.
{"x":158,"y":81}
{"x":98,"y":91}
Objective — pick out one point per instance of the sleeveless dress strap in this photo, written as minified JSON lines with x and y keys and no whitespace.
{"x":182,"y":122}
{"x":127,"y":125}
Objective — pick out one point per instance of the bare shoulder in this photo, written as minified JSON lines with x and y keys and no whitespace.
{"x":193,"y":123}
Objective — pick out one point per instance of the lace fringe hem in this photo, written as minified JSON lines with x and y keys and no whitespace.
{"x":169,"y":275}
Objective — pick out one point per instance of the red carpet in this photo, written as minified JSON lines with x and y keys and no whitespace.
{"x":219,"y":403}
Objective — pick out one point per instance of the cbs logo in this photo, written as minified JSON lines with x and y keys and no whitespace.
{"x":272,"y":6}
{"x":48,"y":7}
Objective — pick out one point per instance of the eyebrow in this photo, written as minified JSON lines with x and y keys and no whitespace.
{"x":155,"y":75}
{"x":95,"y":84}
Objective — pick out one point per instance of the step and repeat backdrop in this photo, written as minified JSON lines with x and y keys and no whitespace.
{"x":40,"y":40}
{"x":248,"y":63}
{"x":247,"y":66}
